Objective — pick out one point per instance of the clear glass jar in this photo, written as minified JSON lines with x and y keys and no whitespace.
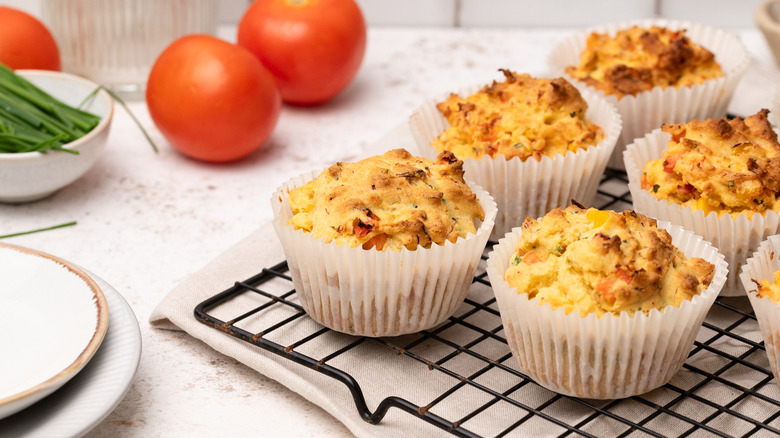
{"x":115,"y":42}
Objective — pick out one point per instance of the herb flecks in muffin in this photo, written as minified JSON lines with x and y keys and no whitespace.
{"x":389,"y":201}
{"x":727,"y":166}
{"x":520,"y":117}
{"x":601,"y":262}
{"x":637,"y":59}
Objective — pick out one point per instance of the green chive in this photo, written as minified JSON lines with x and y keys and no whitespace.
{"x":66,"y":224}
{"x":132,"y":116}
{"x":32,"y":120}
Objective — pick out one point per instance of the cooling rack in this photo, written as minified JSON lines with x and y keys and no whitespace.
{"x":724,"y":389}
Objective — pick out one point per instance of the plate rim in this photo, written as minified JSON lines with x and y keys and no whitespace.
{"x":83,"y":403}
{"x":86,"y":354}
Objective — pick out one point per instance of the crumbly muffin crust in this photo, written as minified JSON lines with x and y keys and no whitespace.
{"x":726,"y":166}
{"x":594,"y":261}
{"x":519,"y":117}
{"x":390,"y":201}
{"x":637,"y":59}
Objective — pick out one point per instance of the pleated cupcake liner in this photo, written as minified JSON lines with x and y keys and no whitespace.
{"x":649,"y":110}
{"x":761,"y":266}
{"x":615,"y":356}
{"x":379,"y":293}
{"x":530,"y":187}
{"x":736,"y":238}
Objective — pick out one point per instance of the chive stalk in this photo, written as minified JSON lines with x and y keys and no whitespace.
{"x":22,"y":233}
{"x":32,"y":120}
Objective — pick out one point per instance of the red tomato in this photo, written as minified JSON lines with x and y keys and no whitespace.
{"x":25,"y":42}
{"x":212,"y":100}
{"x":312,"y":47}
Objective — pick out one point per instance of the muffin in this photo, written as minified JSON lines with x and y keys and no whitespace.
{"x":533,"y":143}
{"x":718,"y":178}
{"x":760,"y":277}
{"x":521,"y":117}
{"x":389,"y":201}
{"x":593,"y":261}
{"x":725,"y":166}
{"x":654,"y":72}
{"x":637,"y":59}
{"x":384,"y":246}
{"x":598,"y":304}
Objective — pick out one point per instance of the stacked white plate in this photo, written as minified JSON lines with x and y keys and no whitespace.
{"x":70,"y":346}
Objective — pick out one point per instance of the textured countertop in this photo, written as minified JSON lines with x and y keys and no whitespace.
{"x":146,"y":221}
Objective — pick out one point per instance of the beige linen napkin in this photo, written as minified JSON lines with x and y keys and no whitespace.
{"x":379,"y":371}
{"x":382,"y":373}
{"x":245,"y":259}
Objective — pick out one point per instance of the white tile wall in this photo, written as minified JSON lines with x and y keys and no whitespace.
{"x":525,"y":13}
{"x":409,"y":12}
{"x":718,"y":13}
{"x":551,"y":13}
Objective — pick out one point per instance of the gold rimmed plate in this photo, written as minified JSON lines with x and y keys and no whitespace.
{"x":53,"y":318}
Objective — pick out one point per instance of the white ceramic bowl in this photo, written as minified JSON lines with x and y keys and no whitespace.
{"x":31,"y":176}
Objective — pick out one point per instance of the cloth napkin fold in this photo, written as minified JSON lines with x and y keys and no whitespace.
{"x":382,"y":373}
{"x":245,"y":259}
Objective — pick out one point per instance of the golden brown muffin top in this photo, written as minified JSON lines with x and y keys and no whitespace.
{"x":726,"y":166}
{"x":519,"y":117}
{"x":637,"y":59}
{"x":602,"y":262}
{"x":394,"y":200}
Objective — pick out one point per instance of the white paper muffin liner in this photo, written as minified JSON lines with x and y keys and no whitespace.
{"x":761,"y":266}
{"x":648,"y":110}
{"x":379,"y":293}
{"x":615,"y":356}
{"x":735,"y":238}
{"x":529,"y":188}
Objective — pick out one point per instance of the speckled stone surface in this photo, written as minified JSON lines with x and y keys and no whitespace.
{"x":146,"y":221}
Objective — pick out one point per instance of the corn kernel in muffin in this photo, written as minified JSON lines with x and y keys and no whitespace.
{"x":637,"y":59}
{"x":390,"y":201}
{"x":726,"y":166}
{"x":594,"y":261}
{"x":520,"y":117}
{"x":770,"y":290}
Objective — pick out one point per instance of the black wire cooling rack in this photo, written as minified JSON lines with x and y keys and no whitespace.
{"x":724,"y":389}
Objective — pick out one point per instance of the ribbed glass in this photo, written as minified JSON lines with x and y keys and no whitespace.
{"x":115,"y":42}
